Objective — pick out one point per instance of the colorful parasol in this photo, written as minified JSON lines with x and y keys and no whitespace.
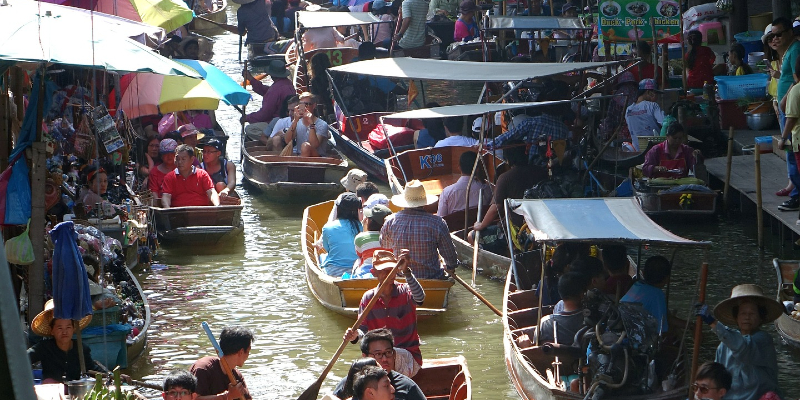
{"x":166,"y":14}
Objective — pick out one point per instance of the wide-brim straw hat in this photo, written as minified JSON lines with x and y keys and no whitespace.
{"x":41,"y":322}
{"x":383,"y":259}
{"x":747,"y":292}
{"x":413,"y":196}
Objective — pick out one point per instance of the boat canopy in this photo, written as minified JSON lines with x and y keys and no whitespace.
{"x":321,"y":19}
{"x":594,"y":220}
{"x":446,"y":70}
{"x":464,"y":110}
{"x":533,"y":22}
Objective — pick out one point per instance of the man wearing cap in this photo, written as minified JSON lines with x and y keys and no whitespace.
{"x":453,"y":128}
{"x":645,"y":117}
{"x":424,"y":234}
{"x":412,"y":24}
{"x":309,"y":133}
{"x":272,"y":97}
{"x":166,"y":150}
{"x":396,"y":308}
{"x":454,"y":197}
{"x":187,"y":185}
{"x":221,"y":171}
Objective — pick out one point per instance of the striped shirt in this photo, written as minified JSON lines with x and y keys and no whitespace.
{"x":414,"y":36}
{"x":399,"y":315}
{"x":425,"y":236}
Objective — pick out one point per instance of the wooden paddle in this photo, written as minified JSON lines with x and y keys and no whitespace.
{"x":313,"y":391}
{"x":478,"y":295}
{"x":223,"y":363}
{"x":698,"y":324}
{"x":477,"y":239}
{"x":230,"y":28}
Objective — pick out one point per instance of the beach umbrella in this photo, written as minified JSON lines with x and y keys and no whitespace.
{"x":149,"y":94}
{"x":71,"y":38}
{"x":166,"y":14}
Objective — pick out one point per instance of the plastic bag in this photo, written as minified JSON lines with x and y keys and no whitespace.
{"x":19,"y":250}
{"x":18,"y":195}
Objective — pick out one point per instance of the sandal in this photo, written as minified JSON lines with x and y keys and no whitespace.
{"x":783,"y":192}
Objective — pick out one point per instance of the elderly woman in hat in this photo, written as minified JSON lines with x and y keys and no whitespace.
{"x":338,"y":236}
{"x":748,"y":353}
{"x":59,"y":352}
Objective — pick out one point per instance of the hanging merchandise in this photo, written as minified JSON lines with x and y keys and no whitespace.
{"x":18,"y":195}
{"x":106,"y":129}
{"x":19,"y":250}
{"x":84,"y":140}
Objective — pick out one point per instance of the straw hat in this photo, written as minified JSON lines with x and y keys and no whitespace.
{"x":41,"y":323}
{"x":749,"y":292}
{"x":353,"y":178}
{"x":414,"y":196}
{"x":383,"y":259}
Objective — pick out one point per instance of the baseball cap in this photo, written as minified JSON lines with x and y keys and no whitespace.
{"x":476,"y":125}
{"x":167,"y":146}
{"x":215,"y":143}
{"x":376,"y":199}
{"x":378,"y":4}
{"x":348,"y":200}
{"x":649,"y":84}
{"x":377,"y":213}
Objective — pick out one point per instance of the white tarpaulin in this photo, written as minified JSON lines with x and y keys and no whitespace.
{"x":464,"y":110}
{"x":534,"y":22}
{"x":322,"y":19}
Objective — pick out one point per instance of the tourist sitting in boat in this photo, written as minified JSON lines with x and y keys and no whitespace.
{"x":644,"y":118}
{"x":212,"y":380}
{"x":338,"y":236}
{"x":272,"y":97}
{"x":424,"y":234}
{"x":432,"y":132}
{"x":190,"y":48}
{"x":454,"y":197}
{"x":372,"y":383}
{"x":253,"y":19}
{"x":568,"y":321}
{"x":179,"y":385}
{"x":443,"y":8}
{"x":737,"y":57}
{"x":671,"y":158}
{"x":273,"y":137}
{"x":187,"y":185}
{"x":412,"y":25}
{"x":454,"y":128}
{"x":166,"y":150}
{"x":379,"y":344}
{"x":395,"y":309}
{"x":510,"y":185}
{"x":615,"y":261}
{"x":645,"y":69}
{"x":748,"y":353}
{"x":592,"y":274}
{"x":59,"y":352}
{"x":344,"y":389}
{"x":190,"y":135}
{"x":309,"y":132}
{"x":648,"y":290}
{"x":370,"y":240}
{"x":466,"y":28}
{"x":222,"y":172}
{"x":382,"y":33}
{"x":699,"y":61}
{"x":712,"y":381}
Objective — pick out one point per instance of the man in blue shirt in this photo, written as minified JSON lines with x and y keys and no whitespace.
{"x":647,"y":291}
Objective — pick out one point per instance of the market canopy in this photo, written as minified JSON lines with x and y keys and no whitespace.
{"x":71,"y":38}
{"x":594,"y":220}
{"x":428,"y":69}
{"x":533,"y":22}
{"x":166,"y":14}
{"x":321,"y":19}
{"x":464,"y":110}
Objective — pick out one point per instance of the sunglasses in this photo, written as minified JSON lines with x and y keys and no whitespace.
{"x":305,"y":103}
{"x":701,"y":389}
{"x":776,"y":34}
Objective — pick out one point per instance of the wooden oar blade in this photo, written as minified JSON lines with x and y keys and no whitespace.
{"x":312,"y":392}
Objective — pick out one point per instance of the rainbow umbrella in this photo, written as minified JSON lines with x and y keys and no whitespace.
{"x":166,"y":14}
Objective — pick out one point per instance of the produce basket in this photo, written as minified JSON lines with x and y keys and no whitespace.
{"x":737,"y":87}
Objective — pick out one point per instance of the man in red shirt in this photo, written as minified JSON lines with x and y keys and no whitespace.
{"x":187,"y":185}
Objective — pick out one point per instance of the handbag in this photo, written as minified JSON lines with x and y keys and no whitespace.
{"x":19,"y":250}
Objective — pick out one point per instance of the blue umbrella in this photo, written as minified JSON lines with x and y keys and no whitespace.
{"x":71,"y":296}
{"x":230,"y":91}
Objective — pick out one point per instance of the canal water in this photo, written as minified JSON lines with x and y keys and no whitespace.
{"x":259,"y":283}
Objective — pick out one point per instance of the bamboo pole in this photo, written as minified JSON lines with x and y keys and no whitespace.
{"x":683,"y":60}
{"x":698,"y":324}
{"x":759,"y":211}
{"x":728,"y":170}
{"x":664,"y":65}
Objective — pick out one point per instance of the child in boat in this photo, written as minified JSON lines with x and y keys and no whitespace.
{"x":711,"y":382}
{"x":748,"y":353}
{"x":367,"y":242}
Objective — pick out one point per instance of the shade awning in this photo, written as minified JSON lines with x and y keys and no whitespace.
{"x":321,"y":19}
{"x":428,"y":69}
{"x":464,"y":110}
{"x":533,"y":22}
{"x":594,"y":220}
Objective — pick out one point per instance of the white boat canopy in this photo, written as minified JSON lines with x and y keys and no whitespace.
{"x":322,"y":19}
{"x":533,"y":22}
{"x":465,"y":110}
{"x":446,"y":70}
{"x":599,"y":220}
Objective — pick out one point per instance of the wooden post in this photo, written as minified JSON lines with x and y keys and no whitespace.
{"x":5,"y":122}
{"x":664,"y":65}
{"x":698,"y":324}
{"x":728,"y":170}
{"x":759,"y":211}
{"x":683,"y":60}
{"x":36,"y":272}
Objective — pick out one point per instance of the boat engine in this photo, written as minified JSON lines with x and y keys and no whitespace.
{"x":620,"y":345}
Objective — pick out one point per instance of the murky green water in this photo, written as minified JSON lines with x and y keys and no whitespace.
{"x":260,"y":284}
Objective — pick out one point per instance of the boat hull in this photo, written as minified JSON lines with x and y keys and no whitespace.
{"x":445,"y":378}
{"x":489,"y":264}
{"x":139,"y":343}
{"x":182,"y":225}
{"x":344,"y":295}
{"x":217,"y":14}
{"x":669,"y":204}
{"x":362,"y":157}
{"x":787,"y":327}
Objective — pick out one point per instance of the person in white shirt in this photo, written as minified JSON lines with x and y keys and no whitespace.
{"x":453,"y":197}
{"x":454,"y":127}
{"x":645,"y":116}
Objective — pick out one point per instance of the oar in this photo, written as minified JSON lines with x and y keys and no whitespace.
{"x":477,"y":239}
{"x":223,"y":363}
{"x":133,"y":382}
{"x":313,"y":391}
{"x":478,"y":295}
{"x":230,"y":28}
{"x":241,"y":37}
{"x":698,"y":325}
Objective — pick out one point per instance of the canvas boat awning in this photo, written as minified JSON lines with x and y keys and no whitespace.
{"x":599,"y":220}
{"x":428,"y":69}
{"x":533,"y":22}
{"x":322,"y":19}
{"x":464,"y":110}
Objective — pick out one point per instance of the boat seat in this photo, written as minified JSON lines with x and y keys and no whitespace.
{"x":541,"y":360}
{"x":460,"y":393}
{"x":522,"y":299}
{"x":527,"y":317}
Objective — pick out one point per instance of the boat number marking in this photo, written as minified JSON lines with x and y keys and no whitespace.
{"x":336,"y":57}
{"x":431,"y":161}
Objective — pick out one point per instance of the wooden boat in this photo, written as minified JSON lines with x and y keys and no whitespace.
{"x":787,"y":327}
{"x":198,"y":225}
{"x":217,"y":14}
{"x":292,"y":177}
{"x":657,"y":200}
{"x":344,"y":295}
{"x":445,"y":379}
{"x":595,"y":221}
{"x":137,"y":344}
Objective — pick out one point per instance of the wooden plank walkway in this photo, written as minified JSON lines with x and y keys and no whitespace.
{"x":773,"y":178}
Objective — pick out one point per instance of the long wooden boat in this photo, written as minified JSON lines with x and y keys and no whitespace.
{"x":292,"y":177}
{"x":217,"y":14}
{"x":445,"y":379}
{"x":344,"y":295}
{"x":787,"y":327}
{"x":137,"y":344}
{"x":595,"y":221}
{"x":657,"y":200}
{"x":198,"y":225}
